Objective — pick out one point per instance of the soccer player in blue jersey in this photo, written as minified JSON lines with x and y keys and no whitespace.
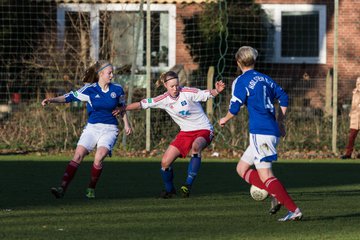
{"x":258,"y":93}
{"x":102,"y":97}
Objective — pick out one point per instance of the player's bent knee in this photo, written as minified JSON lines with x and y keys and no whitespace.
{"x":195,"y":148}
{"x":240,"y":170}
{"x":165,"y":163}
{"x":198,"y":145}
{"x":78,"y":158}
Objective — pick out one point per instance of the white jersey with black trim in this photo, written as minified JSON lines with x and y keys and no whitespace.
{"x":185,"y":109}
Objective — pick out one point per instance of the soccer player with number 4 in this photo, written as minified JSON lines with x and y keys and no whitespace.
{"x":258,"y":93}
{"x":196,"y":131}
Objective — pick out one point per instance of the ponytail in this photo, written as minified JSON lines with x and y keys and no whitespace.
{"x":91,"y":74}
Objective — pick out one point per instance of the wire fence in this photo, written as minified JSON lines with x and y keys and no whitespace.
{"x":46,"y":46}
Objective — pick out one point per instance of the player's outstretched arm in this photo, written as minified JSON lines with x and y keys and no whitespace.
{"x":281,"y":120}
{"x":122,"y":110}
{"x":59,"y":99}
{"x":128,"y":129}
{"x":133,"y":106}
{"x":225,"y":119}
{"x":219,"y":87}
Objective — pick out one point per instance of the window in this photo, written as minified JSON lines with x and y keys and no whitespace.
{"x":113,"y":28}
{"x":296,"y":33}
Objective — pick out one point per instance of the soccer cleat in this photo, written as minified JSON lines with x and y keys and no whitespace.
{"x":164,"y":194}
{"x":292,"y":216}
{"x":345,"y":157}
{"x":58,"y":192}
{"x":275,"y":206}
{"x":185,"y":191}
{"x":90,"y":193}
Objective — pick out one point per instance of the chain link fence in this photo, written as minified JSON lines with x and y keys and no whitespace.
{"x":46,"y":46}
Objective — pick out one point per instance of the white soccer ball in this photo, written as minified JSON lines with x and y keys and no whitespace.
{"x":258,"y":194}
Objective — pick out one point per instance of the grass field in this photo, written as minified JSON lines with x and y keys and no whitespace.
{"x":220,"y":207}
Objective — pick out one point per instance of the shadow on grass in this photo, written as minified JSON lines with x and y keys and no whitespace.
{"x":27,"y":183}
{"x":334,"y":217}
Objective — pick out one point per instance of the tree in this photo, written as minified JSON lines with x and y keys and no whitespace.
{"x":222,"y":28}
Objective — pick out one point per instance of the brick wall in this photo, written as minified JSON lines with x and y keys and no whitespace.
{"x":348,"y":46}
{"x":182,"y":53}
{"x":348,"y":43}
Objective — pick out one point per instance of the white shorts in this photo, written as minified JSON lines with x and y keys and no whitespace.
{"x":102,"y":135}
{"x":262,"y":150}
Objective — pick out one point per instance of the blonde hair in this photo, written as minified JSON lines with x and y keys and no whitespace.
{"x":246,"y":56}
{"x":166,"y":76}
{"x":91,"y":74}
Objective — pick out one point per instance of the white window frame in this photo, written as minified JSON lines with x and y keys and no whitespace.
{"x":274,"y":12}
{"x":94,"y":10}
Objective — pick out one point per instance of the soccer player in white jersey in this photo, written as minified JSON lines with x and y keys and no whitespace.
{"x":196,"y":131}
{"x":258,"y":93}
{"x":102,"y":97}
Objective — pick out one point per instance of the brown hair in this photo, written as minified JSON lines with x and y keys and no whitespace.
{"x":91,"y":74}
{"x":166,"y":76}
{"x":246,"y":56}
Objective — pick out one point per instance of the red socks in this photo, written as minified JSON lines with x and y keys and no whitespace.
{"x":276,"y":189}
{"x":69,"y":174}
{"x":71,"y":170}
{"x":273,"y":186}
{"x":251,"y":176}
{"x":95,"y":175}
